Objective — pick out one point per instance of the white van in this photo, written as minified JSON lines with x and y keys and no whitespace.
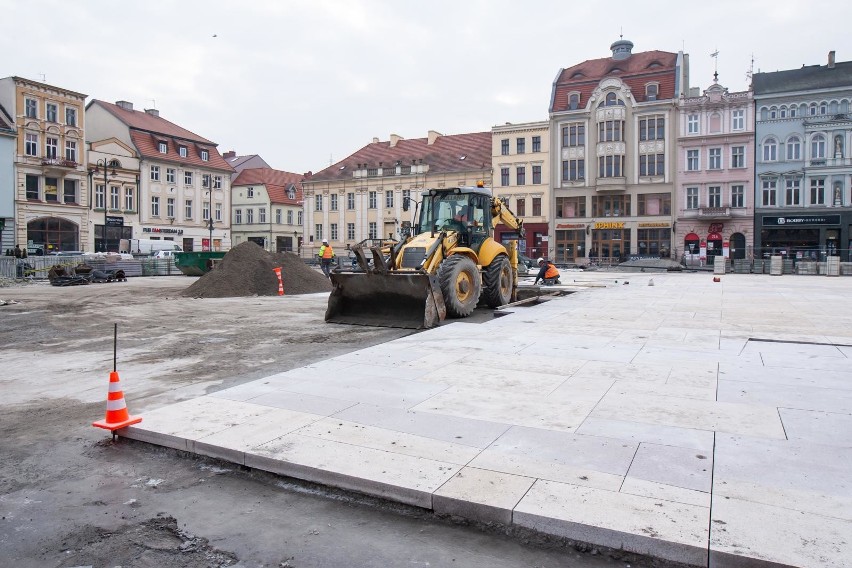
{"x":165,"y":254}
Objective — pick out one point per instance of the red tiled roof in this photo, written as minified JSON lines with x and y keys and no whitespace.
{"x":276,"y":182}
{"x":452,"y":153}
{"x":635,"y":71}
{"x":143,"y":121}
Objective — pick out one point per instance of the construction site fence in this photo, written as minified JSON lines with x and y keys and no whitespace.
{"x":37,"y":267}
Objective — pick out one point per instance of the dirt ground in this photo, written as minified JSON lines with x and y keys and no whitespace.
{"x":71,"y":496}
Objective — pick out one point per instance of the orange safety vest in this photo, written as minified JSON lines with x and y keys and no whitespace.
{"x":326,"y":252}
{"x":551,"y":271}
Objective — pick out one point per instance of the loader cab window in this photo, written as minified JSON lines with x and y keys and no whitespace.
{"x":464,"y":213}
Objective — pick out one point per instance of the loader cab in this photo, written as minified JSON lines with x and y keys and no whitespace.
{"x":462,"y":210}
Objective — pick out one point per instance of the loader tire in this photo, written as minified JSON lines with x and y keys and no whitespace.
{"x":497,"y":282}
{"x":461,"y":285}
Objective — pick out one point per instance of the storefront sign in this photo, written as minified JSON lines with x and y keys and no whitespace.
{"x":114,"y":221}
{"x":571,"y":226}
{"x":653,"y":225}
{"x":163,"y":230}
{"x":612,"y":225}
{"x":802,"y":220}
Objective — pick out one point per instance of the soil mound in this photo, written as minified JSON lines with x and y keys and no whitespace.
{"x":247,"y":270}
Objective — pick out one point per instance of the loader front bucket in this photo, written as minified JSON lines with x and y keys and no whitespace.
{"x":392,"y":299}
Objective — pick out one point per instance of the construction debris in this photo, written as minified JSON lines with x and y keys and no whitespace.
{"x":248,"y":270}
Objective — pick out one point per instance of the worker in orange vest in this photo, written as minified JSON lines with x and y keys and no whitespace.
{"x":326,"y":255}
{"x":547,"y":273}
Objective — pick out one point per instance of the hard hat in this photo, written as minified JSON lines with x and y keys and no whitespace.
{"x":539,"y":261}
{"x":325,"y":241}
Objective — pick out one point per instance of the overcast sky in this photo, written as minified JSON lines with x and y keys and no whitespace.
{"x":303,"y":83}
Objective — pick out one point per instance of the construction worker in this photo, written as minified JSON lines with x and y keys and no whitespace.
{"x":547,"y":273}
{"x":326,"y":255}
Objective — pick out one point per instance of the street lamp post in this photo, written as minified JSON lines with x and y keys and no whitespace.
{"x":105,"y":164}
{"x":210,"y":228}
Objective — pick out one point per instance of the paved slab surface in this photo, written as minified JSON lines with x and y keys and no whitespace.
{"x":698,"y":422}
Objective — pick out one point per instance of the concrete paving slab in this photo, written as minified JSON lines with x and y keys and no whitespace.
{"x":700,"y":440}
{"x":664,"y":492}
{"x":787,"y":396}
{"x":491,"y":377}
{"x":823,"y":428}
{"x":673,"y":466}
{"x":481,"y":495}
{"x":802,"y":378}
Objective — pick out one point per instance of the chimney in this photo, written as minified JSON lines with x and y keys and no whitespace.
{"x":229,"y":154}
{"x":152,"y":112}
{"x":394,"y":140}
{"x":831,"y":59}
{"x":433,"y":135}
{"x":124,"y":104}
{"x":375,"y":140}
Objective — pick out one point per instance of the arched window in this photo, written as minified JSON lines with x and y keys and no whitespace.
{"x":652,"y":90}
{"x":764,"y":113}
{"x":574,"y":101}
{"x":56,"y":233}
{"x":773,"y":113}
{"x":611,"y":99}
{"x":794,"y":148}
{"x":770,"y":149}
{"x":823,"y":108}
{"x":782,"y":112}
{"x":812,"y":110}
{"x":818,"y":147}
{"x":792,"y":112}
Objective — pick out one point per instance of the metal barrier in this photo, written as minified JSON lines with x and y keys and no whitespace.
{"x":37,"y":267}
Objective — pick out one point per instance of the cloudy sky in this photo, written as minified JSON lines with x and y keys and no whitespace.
{"x":307,"y":82}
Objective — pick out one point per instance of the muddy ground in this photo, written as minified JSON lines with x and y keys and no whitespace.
{"x":71,"y":496}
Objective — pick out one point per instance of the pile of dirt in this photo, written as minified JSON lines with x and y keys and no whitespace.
{"x":247,"y":270}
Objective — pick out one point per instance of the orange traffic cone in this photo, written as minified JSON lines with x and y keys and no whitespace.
{"x":116,"y":410}
{"x":280,"y":281}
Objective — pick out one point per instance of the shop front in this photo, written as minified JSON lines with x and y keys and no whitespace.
{"x":702,"y":246}
{"x":610,"y":243}
{"x":535,"y":242}
{"x":570,"y":245}
{"x":805,"y":237}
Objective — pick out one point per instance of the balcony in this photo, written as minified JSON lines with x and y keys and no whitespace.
{"x":58,"y":164}
{"x":714,"y":212}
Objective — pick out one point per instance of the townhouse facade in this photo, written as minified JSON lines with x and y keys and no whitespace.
{"x":267,"y":209}
{"x":520,"y":156}
{"x":184,"y":184}
{"x":8,"y":144}
{"x":613,"y":140}
{"x":804,"y":167}
{"x":361,"y":197}
{"x":715,"y":173}
{"x":51,"y":195}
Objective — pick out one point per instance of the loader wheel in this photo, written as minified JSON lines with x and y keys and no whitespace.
{"x":461,"y":285}
{"x":497,"y":282}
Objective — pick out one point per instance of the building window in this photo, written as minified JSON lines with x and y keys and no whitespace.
{"x":651,"y":91}
{"x":289,"y":216}
{"x":114,"y":197}
{"x":783,"y":112}
{"x":652,"y":128}
{"x":373,"y":197}
{"x":738,"y":196}
{"x":318,"y":231}
{"x":389,"y":198}
{"x":163,"y":147}
{"x":769,"y":193}
{"x":155,"y":206}
{"x":182,"y":151}
{"x":611,"y":131}
{"x":521,"y":175}
{"x":218,"y":215}
{"x":51,"y":189}
{"x":249,"y":216}
{"x":715,"y":159}
{"x":170,"y":207}
{"x":521,"y":206}
{"x":205,"y":180}
{"x":692,"y":161}
{"x":31,"y":144}
{"x":652,"y":164}
{"x":521,"y":145}
{"x":610,"y":205}
{"x":71,"y":150}
{"x":612,"y":100}
{"x":70,"y":116}
{"x":573,"y":170}
{"x":536,"y":143}
{"x":238,"y":216}
{"x":170,"y":175}
{"x":773,"y":113}
{"x":770,"y":150}
{"x":738,"y":120}
{"x":610,"y":166}
{"x":692,"y":124}
{"x":51,"y":148}
{"x":536,"y":173}
{"x":69,"y":191}
{"x":823,"y":108}
{"x":570,"y":207}
{"x":504,"y":147}
{"x":187,"y":209}
{"x":333,"y":231}
{"x":350,"y":231}
{"x":299,"y":215}
{"x":261,"y":215}
{"x":187,"y":178}
{"x":817,"y":147}
{"x":792,"y":112}
{"x":317,"y":202}
{"x":692,"y":198}
{"x":31,"y":108}
{"x":714,"y":196}
{"x":50,"y":112}
{"x":574,"y":101}
{"x":536,"y":206}
{"x":99,"y":196}
{"x":817,"y":191}
{"x":217,"y":182}
{"x":812,"y":110}
{"x":574,"y":135}
{"x":373,"y":172}
{"x":504,"y":177}
{"x":794,"y":148}
{"x":373,"y":230}
{"x":205,"y":156}
{"x":155,"y":173}
{"x":737,"y":156}
{"x":792,"y":192}
{"x":332,"y":202}
{"x":129,"y":199}
{"x":654,"y":204}
{"x":350,"y":201}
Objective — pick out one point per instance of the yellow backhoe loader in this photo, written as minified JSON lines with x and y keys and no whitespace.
{"x":447,"y":263}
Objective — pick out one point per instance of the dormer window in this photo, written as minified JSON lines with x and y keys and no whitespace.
{"x":578,"y":75}
{"x":163,"y":147}
{"x":205,"y":155}
{"x":291,"y":193}
{"x":182,"y":151}
{"x":612,"y":100}
{"x":652,"y":90}
{"x":574,"y":101}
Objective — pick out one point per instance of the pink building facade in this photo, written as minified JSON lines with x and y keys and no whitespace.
{"x":715,"y":147}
